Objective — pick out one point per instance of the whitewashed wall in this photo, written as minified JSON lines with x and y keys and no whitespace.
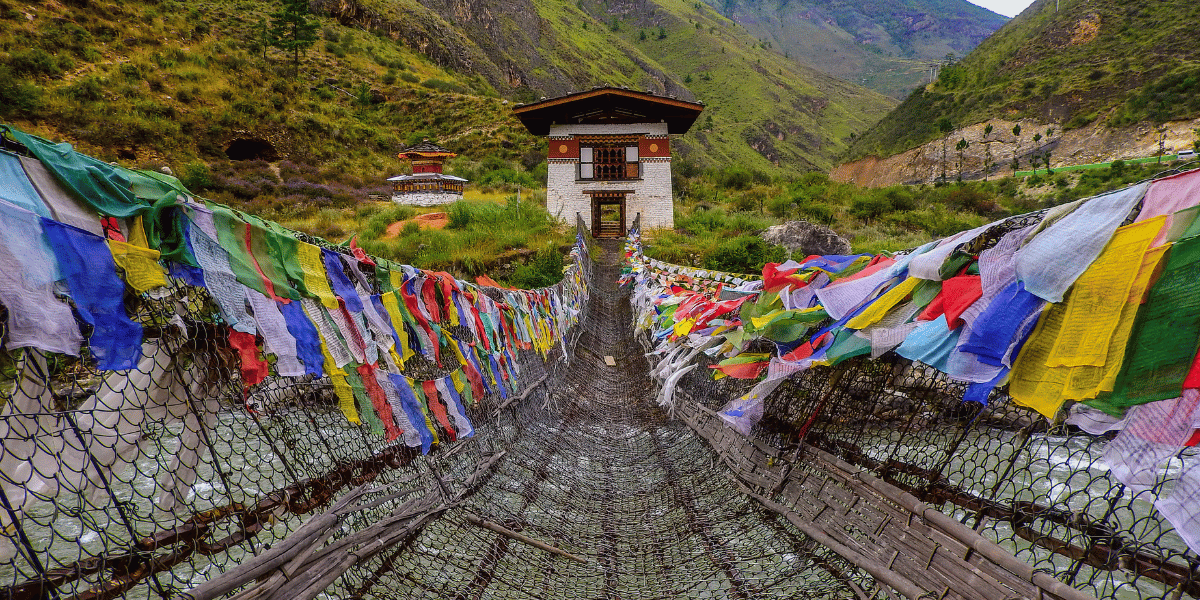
{"x":651,"y":195}
{"x":426,"y":198}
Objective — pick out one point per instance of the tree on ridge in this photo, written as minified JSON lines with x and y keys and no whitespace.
{"x":292,"y":29}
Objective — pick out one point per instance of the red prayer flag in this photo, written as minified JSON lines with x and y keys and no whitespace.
{"x":958,"y":294}
{"x":254,"y":369}
{"x":439,"y":411}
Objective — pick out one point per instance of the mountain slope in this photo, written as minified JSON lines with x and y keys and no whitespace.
{"x":887,"y":46}
{"x":765,"y":111}
{"x":173,"y":81}
{"x":1117,"y":61}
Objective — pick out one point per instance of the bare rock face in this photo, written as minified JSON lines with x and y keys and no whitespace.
{"x":803,"y":238}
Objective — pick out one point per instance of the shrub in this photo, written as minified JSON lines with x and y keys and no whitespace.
{"x":901,"y":198}
{"x":16,"y":96}
{"x":197,"y":177}
{"x":459,"y":215}
{"x":750,"y":200}
{"x":780,"y":206}
{"x":735,"y":178}
{"x":1080,"y":120}
{"x":507,"y":178}
{"x":131,"y":72}
{"x":34,"y":62}
{"x":543,"y":270}
{"x":744,"y":254}
{"x":971,"y":199}
{"x":817,"y":212}
{"x":88,"y":89}
{"x":870,"y":207}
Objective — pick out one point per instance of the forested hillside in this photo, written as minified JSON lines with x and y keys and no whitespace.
{"x":1064,"y":62}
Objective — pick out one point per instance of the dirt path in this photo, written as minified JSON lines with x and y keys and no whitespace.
{"x":426,"y":221}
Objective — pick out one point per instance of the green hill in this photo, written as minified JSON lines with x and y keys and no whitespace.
{"x":885,"y":45}
{"x":765,"y":111}
{"x":171,"y":82}
{"x":1070,"y":62}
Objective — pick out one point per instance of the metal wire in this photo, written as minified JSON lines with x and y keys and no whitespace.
{"x":590,"y":467}
{"x":598,"y":471}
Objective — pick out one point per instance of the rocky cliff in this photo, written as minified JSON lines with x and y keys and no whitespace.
{"x":994,"y":151}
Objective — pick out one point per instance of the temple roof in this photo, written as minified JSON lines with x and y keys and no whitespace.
{"x":426,"y":149}
{"x":609,"y":105}
{"x":426,"y":177}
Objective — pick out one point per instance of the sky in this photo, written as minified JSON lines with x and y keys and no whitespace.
{"x":1008,"y":8}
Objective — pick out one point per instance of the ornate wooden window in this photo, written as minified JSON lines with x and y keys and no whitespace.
{"x":609,"y":162}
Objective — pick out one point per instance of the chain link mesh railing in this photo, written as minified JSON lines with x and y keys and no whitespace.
{"x":158,"y":483}
{"x":1040,"y":490}
{"x":150,"y":482}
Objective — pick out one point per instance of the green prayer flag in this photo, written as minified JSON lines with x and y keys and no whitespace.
{"x":847,"y":345}
{"x":152,"y":186}
{"x":1165,"y":335}
{"x":282,"y":251}
{"x":246,"y":261}
{"x":366,"y":409}
{"x":165,"y":225}
{"x":1193,"y":228}
{"x":100,"y":185}
{"x":926,"y":291}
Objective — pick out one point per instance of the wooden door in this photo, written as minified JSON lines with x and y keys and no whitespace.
{"x":608,"y":215}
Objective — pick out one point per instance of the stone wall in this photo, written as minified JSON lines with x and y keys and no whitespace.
{"x":427,"y":198}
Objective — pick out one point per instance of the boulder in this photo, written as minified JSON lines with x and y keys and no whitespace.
{"x":803,"y":238}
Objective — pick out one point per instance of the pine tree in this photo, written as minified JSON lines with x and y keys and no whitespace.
{"x":293,"y":29}
{"x":1016,"y":161}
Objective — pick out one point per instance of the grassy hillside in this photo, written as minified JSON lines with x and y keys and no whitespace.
{"x":767,"y":112}
{"x":173,"y":82}
{"x":886,"y":46}
{"x":784,"y":114}
{"x":1118,"y":61}
{"x":169,"y":82}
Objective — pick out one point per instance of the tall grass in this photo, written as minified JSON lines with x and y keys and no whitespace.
{"x":518,"y":242}
{"x":715,"y":211}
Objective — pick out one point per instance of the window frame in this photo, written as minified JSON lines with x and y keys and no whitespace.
{"x":593,"y":167}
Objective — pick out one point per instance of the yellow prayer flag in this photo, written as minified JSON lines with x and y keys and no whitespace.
{"x":1033,"y":384}
{"x":1089,"y":382}
{"x":1098,"y":296}
{"x":140,"y":265}
{"x":1076,"y":350}
{"x":880,"y":307}
{"x":137,"y":233}
{"x":684,"y":327}
{"x":392,"y":305}
{"x":315,"y":279}
{"x":341,"y":388}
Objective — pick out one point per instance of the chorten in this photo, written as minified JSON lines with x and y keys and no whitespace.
{"x":427,"y":186}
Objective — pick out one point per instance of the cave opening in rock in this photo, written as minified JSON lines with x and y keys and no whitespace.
{"x":251,"y":149}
